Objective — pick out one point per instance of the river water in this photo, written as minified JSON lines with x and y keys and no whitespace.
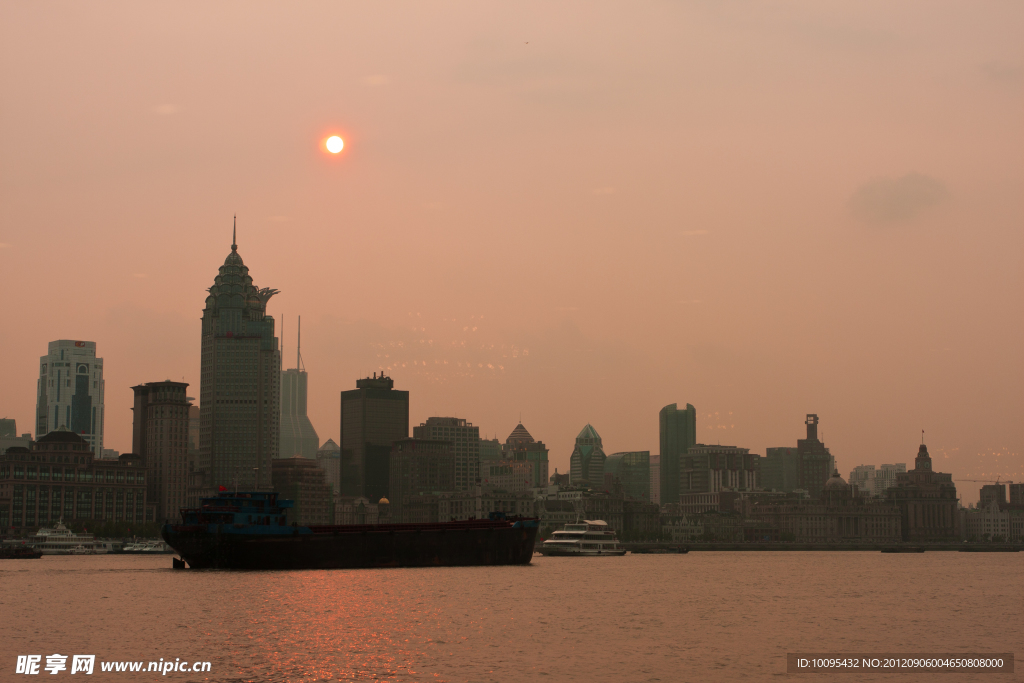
{"x":705,"y":616}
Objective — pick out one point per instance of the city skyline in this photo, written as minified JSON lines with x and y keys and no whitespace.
{"x":631,"y":213}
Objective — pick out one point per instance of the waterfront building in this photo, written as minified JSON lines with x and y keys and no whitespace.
{"x":629,"y":471}
{"x":707,"y":468}
{"x":655,"y":479}
{"x":586,"y":464}
{"x":838,"y":514}
{"x":360,"y":510}
{"x":988,"y":522}
{"x":992,"y":493}
{"x":240,"y":385}
{"x":160,"y":437}
{"x":885,"y":477}
{"x":520,"y":446}
{"x":374,"y":415}
{"x":807,"y":468}
{"x":419,"y":466}
{"x":677,"y":431}
{"x":465,"y":441}
{"x":297,"y":434}
{"x":69,"y":393}
{"x":110,"y":454}
{"x":59,"y":477}
{"x":927,"y":502}
{"x":300,"y":480}
{"x":8,"y":428}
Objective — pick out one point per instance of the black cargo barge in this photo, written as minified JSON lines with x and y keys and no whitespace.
{"x":251,"y":531}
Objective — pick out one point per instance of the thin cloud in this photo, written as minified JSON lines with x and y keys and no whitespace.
{"x":4,"y":245}
{"x":894,"y":200}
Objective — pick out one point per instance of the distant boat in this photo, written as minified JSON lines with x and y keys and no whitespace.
{"x":903,"y":549}
{"x":19,"y":552}
{"x":61,"y":540}
{"x":587,"y":538}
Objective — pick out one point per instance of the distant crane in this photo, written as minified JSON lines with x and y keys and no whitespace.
{"x":988,"y":481}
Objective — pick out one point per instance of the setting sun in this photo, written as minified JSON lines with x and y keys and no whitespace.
{"x":335,"y":144}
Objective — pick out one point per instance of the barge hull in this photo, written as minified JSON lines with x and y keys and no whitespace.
{"x":365,"y":547}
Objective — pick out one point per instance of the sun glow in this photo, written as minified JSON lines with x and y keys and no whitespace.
{"x":335,"y":144}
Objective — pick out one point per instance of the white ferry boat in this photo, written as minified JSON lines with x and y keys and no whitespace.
{"x":589,"y":537}
{"x":61,"y":540}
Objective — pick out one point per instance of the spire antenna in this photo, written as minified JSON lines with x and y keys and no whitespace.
{"x":234,"y":233}
{"x":298,"y":348}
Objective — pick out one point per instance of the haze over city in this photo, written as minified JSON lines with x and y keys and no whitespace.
{"x":574,"y":213}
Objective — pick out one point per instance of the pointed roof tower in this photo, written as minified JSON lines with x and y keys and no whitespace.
{"x":519,"y":435}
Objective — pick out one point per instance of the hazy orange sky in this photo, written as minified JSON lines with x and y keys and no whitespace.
{"x":576,"y":211}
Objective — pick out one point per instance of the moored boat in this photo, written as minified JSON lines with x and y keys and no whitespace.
{"x":19,"y":552}
{"x":251,"y":530}
{"x":61,"y":540}
{"x":586,"y":538}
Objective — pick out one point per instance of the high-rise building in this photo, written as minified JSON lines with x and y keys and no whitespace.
{"x":992,"y":493}
{"x":885,"y":477}
{"x":656,"y":479}
{"x":712,"y":468}
{"x":160,"y":437}
{"x":677,"y":431}
{"x":9,"y":438}
{"x":630,"y":471}
{"x":328,"y":457}
{"x":70,"y":391}
{"x":418,"y":467}
{"x":586,"y":464}
{"x":521,"y":446}
{"x":806,"y":468}
{"x":465,"y":441}
{"x":863,"y":477}
{"x":1016,"y":493}
{"x":374,"y":415}
{"x":240,"y":390}
{"x":490,"y":449}
{"x":297,"y":434}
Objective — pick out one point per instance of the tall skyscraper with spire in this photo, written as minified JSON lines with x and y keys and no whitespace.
{"x":240,"y":384}
{"x":297,"y":434}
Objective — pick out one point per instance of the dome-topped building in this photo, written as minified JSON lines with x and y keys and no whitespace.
{"x":240,"y":392}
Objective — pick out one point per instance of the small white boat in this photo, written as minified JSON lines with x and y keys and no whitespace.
{"x":586,"y":538}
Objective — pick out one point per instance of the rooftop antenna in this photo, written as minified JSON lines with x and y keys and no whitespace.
{"x":922,"y":437}
{"x":298,"y":349}
{"x":282,"y":341}
{"x":234,"y":233}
